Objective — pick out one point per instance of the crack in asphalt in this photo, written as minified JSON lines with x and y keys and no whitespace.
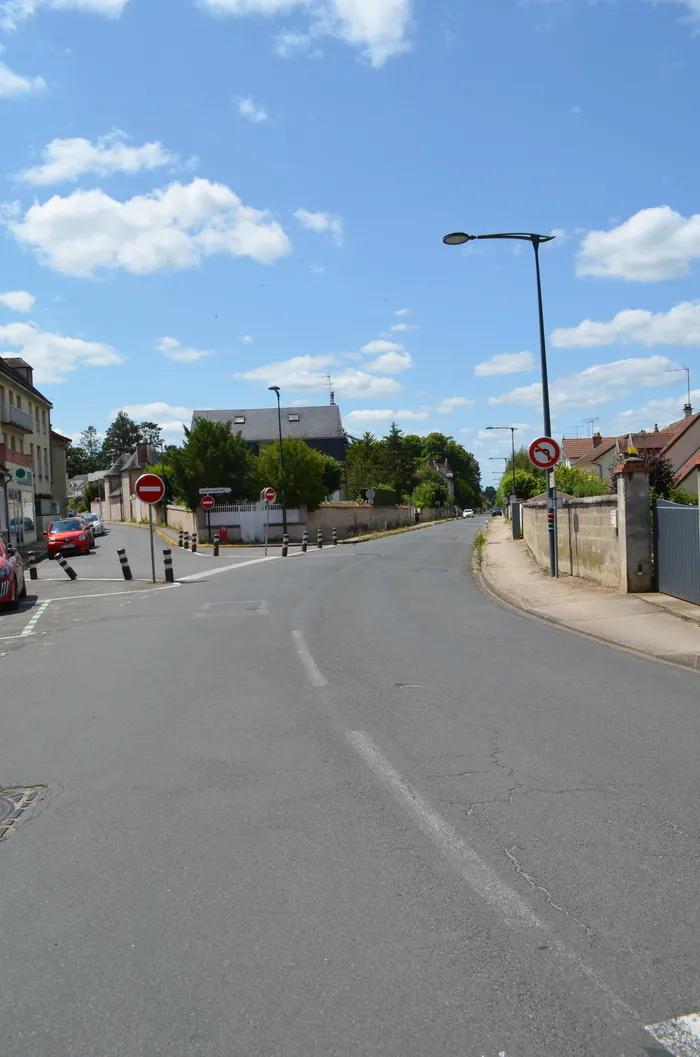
{"x":519,"y":869}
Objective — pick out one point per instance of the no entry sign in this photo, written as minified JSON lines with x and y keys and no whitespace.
{"x":208,"y":502}
{"x":150,"y":488}
{"x":544,"y":453}
{"x":268,"y":495}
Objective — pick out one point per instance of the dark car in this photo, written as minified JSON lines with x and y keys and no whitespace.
{"x":497,"y":512}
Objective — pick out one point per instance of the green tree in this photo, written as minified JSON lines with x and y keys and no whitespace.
{"x":467,"y":473}
{"x":397,"y":467}
{"x":429,"y":494}
{"x":92,"y":446}
{"x":490,"y":494}
{"x":362,"y":462}
{"x":435,"y":447}
{"x":304,"y":480}
{"x":580,"y":483}
{"x":77,"y":460}
{"x":332,"y":474}
{"x":662,"y":477}
{"x":212,"y":456}
{"x":527,"y":485}
{"x":413,"y":446}
{"x":150,"y":433}
{"x":122,"y":436}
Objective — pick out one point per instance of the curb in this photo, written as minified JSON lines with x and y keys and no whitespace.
{"x":490,"y":589}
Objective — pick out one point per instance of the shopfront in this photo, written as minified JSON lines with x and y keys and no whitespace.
{"x":20,"y":504}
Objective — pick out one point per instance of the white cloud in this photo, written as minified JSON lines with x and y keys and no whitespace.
{"x":17,"y":300}
{"x":659,"y":412}
{"x":379,"y":28}
{"x":505,"y":363}
{"x":67,"y":159}
{"x":171,"y":229}
{"x":379,"y":345}
{"x":654,"y":244}
{"x":247,"y":338}
{"x":392,"y":362}
{"x":596,"y":385}
{"x":402,"y":311}
{"x":51,"y":355}
{"x":172,"y":348}
{"x":372,"y":416}
{"x":446,"y":407}
{"x":310,"y":374}
{"x":16,"y":84}
{"x":636,"y":326}
{"x":249,"y":109}
{"x":321,"y":223}
{"x":12,"y":12}
{"x":171,"y":420}
{"x":405,"y":326}
{"x":288,"y":43}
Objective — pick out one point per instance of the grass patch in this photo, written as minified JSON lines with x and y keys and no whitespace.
{"x":478,"y":545}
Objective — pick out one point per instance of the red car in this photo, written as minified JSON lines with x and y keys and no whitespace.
{"x":67,"y":535}
{"x":12,"y":583}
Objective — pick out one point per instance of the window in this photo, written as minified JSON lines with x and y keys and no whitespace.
{"x":46,"y":463}
{"x":43,"y":421}
{"x":12,"y":444}
{"x":31,"y":451}
{"x":18,"y":405}
{"x":294,"y":417}
{"x":37,"y":421}
{"x":21,"y":445}
{"x":239,"y":420}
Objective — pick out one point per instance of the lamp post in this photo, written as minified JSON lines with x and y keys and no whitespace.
{"x":512,"y":446}
{"x":459,"y":238}
{"x":276,"y":389}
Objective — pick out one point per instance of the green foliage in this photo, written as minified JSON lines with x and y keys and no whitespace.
{"x":467,"y":474}
{"x":77,"y":460}
{"x":685,"y":498}
{"x":478,"y":545}
{"x":123,"y":435}
{"x":580,"y":482}
{"x":384,"y":495}
{"x":304,"y":479}
{"x":164,"y":470}
{"x":93,"y":490}
{"x":435,"y":447}
{"x":211,"y":456}
{"x":150,"y":433}
{"x":362,"y":462}
{"x":91,"y":444}
{"x":429,"y":494}
{"x":395,"y":463}
{"x":332,"y":474}
{"x":661,"y":477}
{"x":490,"y":494}
{"x":413,"y":445}
{"x":527,"y":485}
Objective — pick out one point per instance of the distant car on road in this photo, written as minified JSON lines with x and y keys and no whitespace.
{"x":67,"y":535}
{"x":468,"y":513}
{"x":497,"y":512}
{"x":98,"y":525}
{"x":12,"y":582}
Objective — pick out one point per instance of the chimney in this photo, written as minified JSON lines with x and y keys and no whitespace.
{"x":142,"y":454}
{"x":597,"y":439}
{"x":688,"y":410}
{"x":656,"y":427}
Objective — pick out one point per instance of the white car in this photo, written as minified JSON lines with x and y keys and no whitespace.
{"x":98,"y":527}
{"x":467,"y":513}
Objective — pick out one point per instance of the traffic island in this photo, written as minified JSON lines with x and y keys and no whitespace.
{"x":508,"y":573}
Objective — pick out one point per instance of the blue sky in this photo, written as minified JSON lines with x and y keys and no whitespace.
{"x":206,"y":197}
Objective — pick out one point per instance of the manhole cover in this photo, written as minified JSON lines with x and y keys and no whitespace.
{"x":13,"y":804}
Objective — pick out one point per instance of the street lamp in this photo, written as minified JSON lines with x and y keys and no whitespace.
{"x":276,"y":389}
{"x":459,"y":238}
{"x":512,"y":444}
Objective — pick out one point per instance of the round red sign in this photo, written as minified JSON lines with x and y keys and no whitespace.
{"x":208,"y":502}
{"x":544,"y":453}
{"x":150,"y":488}
{"x":268,"y":495}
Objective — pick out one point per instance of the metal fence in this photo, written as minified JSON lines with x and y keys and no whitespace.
{"x":677,"y":550}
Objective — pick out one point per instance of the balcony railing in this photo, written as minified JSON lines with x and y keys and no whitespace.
{"x":12,"y":416}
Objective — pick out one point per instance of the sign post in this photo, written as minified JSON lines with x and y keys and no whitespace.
{"x":208,"y":504}
{"x":150,"y":489}
{"x":544,"y":454}
{"x":267,"y":496}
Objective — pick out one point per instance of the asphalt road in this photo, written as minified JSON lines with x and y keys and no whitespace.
{"x":344,"y":804}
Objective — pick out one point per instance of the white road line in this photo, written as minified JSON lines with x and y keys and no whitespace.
{"x":681,"y":1036}
{"x":225,"y":569}
{"x":471,"y":866}
{"x":113,"y":594}
{"x":28,"y":630}
{"x":311,"y":668}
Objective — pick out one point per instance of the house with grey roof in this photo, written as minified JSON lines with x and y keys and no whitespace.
{"x":121,"y":503}
{"x":320,"y":427}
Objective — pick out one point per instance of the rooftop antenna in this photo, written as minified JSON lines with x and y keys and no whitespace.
{"x":590,"y":422}
{"x":678,"y":370}
{"x":330,"y":388}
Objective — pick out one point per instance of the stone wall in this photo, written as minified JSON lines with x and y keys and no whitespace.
{"x":587,"y":537}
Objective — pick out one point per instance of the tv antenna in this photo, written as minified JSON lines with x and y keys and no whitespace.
{"x":590,"y":422}
{"x":679,"y":370}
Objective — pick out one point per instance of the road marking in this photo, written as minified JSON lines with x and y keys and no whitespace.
{"x":225,"y":569}
{"x":28,"y":630}
{"x":471,"y":866}
{"x":113,"y":594}
{"x":312,"y":669}
{"x":680,"y":1036}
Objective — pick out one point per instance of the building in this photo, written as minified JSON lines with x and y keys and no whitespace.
{"x":321,"y":427}
{"x":121,"y":502}
{"x":59,"y":471}
{"x":25,"y":449}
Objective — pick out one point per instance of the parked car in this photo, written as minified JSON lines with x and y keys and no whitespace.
{"x":12,"y":583}
{"x":468,"y":513}
{"x":98,"y":525}
{"x":497,"y":512}
{"x":67,"y":535}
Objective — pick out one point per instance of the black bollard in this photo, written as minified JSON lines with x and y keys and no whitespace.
{"x":319,"y":539}
{"x":305,"y":542}
{"x":285,"y":545}
{"x":33,"y":571}
{"x":217,"y":541}
{"x":68,"y":569}
{"x":180,"y":536}
{"x":194,"y":542}
{"x":124,"y":561}
{"x":168,"y":563}
{"x":187,"y":541}
{"x":335,"y":538}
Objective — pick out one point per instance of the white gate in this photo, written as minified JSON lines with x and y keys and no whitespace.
{"x":252,"y":521}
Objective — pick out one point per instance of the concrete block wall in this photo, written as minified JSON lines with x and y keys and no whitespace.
{"x":587,"y":538}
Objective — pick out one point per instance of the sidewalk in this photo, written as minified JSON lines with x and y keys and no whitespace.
{"x":655,"y":625}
